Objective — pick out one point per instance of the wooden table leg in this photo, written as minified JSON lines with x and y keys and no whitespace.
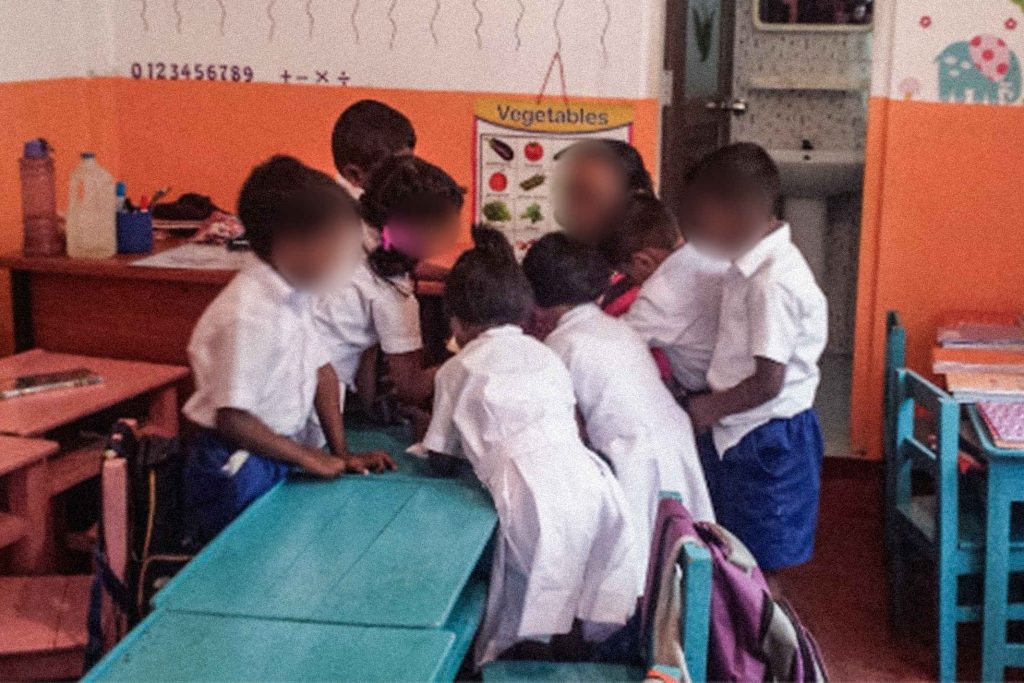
{"x":28,"y":493}
{"x":163,"y":411}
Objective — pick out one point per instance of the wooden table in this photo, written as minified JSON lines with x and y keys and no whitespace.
{"x":376,"y":550}
{"x":109,"y":308}
{"x":44,"y":414}
{"x":202,"y":647}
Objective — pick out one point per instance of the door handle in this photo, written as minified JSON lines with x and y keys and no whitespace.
{"x":738,"y":107}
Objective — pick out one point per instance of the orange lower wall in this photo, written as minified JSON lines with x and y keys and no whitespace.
{"x":205,"y":137}
{"x":943,"y":230}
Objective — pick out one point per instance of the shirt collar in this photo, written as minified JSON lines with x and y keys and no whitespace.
{"x":751,"y":262}
{"x":502,"y":331}
{"x":276,"y":286}
{"x":355,"y":192}
{"x":581,"y":312}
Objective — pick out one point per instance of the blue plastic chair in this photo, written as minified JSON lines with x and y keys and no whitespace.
{"x":947,"y":525}
{"x":695,"y":622}
{"x":895,"y":358}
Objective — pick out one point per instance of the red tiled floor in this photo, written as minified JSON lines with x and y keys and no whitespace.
{"x":841,"y":594}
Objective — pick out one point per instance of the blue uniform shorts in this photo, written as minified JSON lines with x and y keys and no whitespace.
{"x":765,"y":489}
{"x":215,"y":495}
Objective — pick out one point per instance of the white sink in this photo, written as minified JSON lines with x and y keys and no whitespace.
{"x":809,"y":179}
{"x":819,"y":173}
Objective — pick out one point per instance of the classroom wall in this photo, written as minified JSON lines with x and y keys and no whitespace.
{"x":117,"y":84}
{"x":943,"y":204}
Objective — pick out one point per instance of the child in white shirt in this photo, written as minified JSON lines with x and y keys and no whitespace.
{"x":628,"y":413}
{"x":413,"y":207}
{"x":260,"y":367}
{"x":566,"y":555}
{"x":764,"y":450}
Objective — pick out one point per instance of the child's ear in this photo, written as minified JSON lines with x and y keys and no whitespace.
{"x":354,"y":175}
{"x":642,"y":265}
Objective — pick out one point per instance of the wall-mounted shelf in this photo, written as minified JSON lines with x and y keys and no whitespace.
{"x":818,"y":83}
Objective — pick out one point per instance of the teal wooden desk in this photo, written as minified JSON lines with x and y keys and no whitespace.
{"x":1005,"y":490}
{"x":373,"y":550}
{"x":203,"y":647}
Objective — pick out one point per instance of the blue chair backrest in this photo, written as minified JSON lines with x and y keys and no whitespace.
{"x":938,"y":459}
{"x":895,"y":358}
{"x":696,"y":608}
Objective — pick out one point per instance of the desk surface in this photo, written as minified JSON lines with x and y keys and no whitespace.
{"x":367,"y":550}
{"x":16,"y":452}
{"x":118,"y":267}
{"x":198,"y":647}
{"x":35,"y":415}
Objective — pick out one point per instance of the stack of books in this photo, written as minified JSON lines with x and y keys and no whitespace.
{"x":982,"y":358}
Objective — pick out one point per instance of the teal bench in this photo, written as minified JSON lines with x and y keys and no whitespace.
{"x":695,"y":565}
{"x":203,"y":647}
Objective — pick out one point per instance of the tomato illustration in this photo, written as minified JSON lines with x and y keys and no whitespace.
{"x":498,"y":182}
{"x":533,"y":151}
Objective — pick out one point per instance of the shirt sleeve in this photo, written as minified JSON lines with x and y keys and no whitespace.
{"x":240,"y":356}
{"x":774,"y":322}
{"x":396,"y":317}
{"x":442,"y":435}
{"x":647,"y":318}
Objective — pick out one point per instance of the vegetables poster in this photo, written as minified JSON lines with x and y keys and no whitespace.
{"x":518,"y":144}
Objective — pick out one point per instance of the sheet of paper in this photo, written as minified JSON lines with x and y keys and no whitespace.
{"x":196,"y":257}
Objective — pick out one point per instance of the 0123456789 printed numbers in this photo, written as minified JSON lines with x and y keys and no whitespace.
{"x":193,"y":71}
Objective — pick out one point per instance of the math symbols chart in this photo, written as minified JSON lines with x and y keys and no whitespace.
{"x":518,"y":143}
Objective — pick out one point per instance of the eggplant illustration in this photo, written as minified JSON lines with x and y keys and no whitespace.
{"x":502,"y":149}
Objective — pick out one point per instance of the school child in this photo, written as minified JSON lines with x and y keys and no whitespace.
{"x":763,"y":453}
{"x":593,"y":184}
{"x":367,"y":134}
{"x":259,"y":365}
{"x":413,"y":208}
{"x":567,"y":563}
{"x":678,"y":291}
{"x":629,"y":415}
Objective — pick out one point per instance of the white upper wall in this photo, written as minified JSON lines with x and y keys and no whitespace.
{"x":611,"y":48}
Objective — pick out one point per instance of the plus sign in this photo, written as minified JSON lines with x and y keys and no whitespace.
{"x":285,"y":76}
{"x":343,"y":78}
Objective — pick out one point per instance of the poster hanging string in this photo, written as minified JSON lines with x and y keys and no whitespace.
{"x":556,"y":58}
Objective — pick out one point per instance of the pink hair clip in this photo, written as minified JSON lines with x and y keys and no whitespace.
{"x":386,"y":239}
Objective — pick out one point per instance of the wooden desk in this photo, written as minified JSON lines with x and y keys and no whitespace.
{"x":201,"y":647}
{"x":40,"y":415}
{"x":108,"y":308}
{"x":394,"y":552}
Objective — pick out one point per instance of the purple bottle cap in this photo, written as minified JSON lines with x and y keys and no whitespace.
{"x":37,"y":149}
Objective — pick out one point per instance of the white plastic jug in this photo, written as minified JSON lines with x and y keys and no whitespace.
{"x":92,"y":207}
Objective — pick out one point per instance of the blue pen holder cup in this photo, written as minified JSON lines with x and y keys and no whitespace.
{"x":134,"y":232}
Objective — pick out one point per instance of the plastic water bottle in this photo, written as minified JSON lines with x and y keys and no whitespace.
{"x":92,"y":207}
{"x":43,"y":236}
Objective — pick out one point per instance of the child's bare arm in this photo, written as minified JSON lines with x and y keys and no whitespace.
{"x":328,"y":409}
{"x":413,"y":383}
{"x":250,"y":433}
{"x":764,"y":385}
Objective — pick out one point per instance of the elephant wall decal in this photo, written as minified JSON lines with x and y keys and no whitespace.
{"x":982,"y":70}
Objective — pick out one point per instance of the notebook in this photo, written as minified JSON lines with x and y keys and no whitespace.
{"x":974,"y":387}
{"x":1005,"y":422}
{"x":963,"y":360}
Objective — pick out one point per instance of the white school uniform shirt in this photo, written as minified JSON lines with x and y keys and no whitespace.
{"x":566,"y":548}
{"x":677,"y":311}
{"x":371,"y":310}
{"x":256,"y":349}
{"x":630,"y":415}
{"x":771,"y":308}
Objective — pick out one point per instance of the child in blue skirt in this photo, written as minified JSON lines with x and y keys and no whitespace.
{"x":761,"y":444}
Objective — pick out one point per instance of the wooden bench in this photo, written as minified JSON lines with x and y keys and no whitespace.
{"x":203,"y":647}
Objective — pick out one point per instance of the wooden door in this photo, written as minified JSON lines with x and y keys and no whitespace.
{"x":698,"y":64}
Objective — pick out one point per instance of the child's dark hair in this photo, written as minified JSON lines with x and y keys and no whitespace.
{"x":367,"y":133}
{"x":406,"y":188}
{"x":622,"y":155}
{"x":738,"y":172}
{"x":284,"y":196}
{"x":646,"y":224}
{"x":565,"y":272}
{"x":486,"y":287}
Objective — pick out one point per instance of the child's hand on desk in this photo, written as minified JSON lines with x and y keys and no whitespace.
{"x":364,"y":463}
{"x":324,"y":466}
{"x":702,"y":412}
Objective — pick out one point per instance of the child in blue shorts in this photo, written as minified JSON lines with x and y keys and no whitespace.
{"x":760,"y":441}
